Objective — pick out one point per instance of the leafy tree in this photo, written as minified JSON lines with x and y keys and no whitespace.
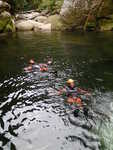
{"x":21,"y":5}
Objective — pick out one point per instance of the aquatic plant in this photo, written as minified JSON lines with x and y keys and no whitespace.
{"x":107,"y":137}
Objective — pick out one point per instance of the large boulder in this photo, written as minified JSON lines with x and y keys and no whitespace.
{"x":24,"y":25}
{"x":85,"y":13}
{"x":38,"y":26}
{"x":41,"y":19}
{"x":74,"y":12}
{"x":56,"y":22}
{"x":27,"y":25}
{"x":42,"y":27}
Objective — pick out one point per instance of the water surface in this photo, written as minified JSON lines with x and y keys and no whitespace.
{"x":31,"y":119}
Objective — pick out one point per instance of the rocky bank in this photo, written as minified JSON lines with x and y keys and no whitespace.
{"x":88,"y":15}
{"x":37,"y":21}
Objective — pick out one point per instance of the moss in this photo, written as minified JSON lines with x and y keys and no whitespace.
{"x":3,"y":24}
{"x":10,"y":27}
{"x":6,"y":25}
{"x":106,"y":25}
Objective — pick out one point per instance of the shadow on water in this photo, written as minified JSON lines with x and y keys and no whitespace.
{"x":32,"y":115}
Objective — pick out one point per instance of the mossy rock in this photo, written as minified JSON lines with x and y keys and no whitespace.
{"x":3,"y":23}
{"x":10,"y":27}
{"x":6,"y":22}
{"x":56,"y":22}
{"x":106,"y":25}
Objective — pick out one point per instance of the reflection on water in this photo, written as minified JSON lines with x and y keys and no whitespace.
{"x":32,"y":114}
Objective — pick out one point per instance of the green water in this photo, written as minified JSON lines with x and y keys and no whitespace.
{"x":31,"y":121}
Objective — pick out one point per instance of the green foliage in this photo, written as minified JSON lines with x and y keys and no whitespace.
{"x":50,"y":5}
{"x":21,"y":5}
{"x":6,"y":25}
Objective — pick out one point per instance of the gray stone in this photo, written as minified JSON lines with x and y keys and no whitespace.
{"x":41,"y":19}
{"x":43,"y":27}
{"x":27,"y":16}
{"x":23,"y":25}
{"x":27,"y":25}
{"x":5,"y":14}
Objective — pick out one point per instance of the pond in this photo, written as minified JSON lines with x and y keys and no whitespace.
{"x":30,"y":118}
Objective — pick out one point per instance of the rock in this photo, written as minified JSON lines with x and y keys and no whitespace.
{"x":40,"y":23}
{"x":5,"y":14}
{"x":27,"y":16}
{"x":106,"y":25}
{"x":45,"y":12}
{"x":75,"y":13}
{"x":4,"y":6}
{"x":56,"y":23}
{"x":43,"y":27}
{"x":23,"y":25}
{"x":27,"y":25}
{"x":41,"y":19}
{"x":37,"y":25}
